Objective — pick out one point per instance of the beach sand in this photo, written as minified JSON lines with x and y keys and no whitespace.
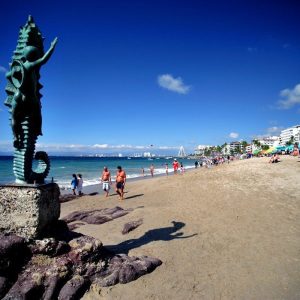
{"x":236,"y":236}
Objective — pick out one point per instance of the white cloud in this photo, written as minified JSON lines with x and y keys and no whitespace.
{"x":275,"y":130}
{"x":289,"y":97}
{"x":234,"y":135}
{"x":170,"y":83}
{"x":271,"y":131}
{"x":100,"y":146}
{"x":3,"y":69}
{"x":6,"y":146}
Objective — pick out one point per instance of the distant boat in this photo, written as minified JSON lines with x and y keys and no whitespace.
{"x":150,"y":158}
{"x":128,"y":157}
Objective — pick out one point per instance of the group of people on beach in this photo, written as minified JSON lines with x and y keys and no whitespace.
{"x":175,"y":164}
{"x":120,"y":181}
{"x":105,"y":179}
{"x":76,"y":184}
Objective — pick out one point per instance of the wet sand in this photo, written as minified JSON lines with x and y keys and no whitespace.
{"x":230,"y":232}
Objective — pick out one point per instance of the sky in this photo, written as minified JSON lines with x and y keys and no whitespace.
{"x":129,"y":74}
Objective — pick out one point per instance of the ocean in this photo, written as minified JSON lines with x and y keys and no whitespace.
{"x":91,"y":168}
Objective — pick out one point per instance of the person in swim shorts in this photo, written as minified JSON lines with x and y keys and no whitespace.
{"x":106,"y":181}
{"x":120,"y":182}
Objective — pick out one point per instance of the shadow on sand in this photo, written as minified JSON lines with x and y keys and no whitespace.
{"x":133,"y":196}
{"x":159,"y":234}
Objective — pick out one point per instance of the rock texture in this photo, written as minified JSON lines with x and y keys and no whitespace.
{"x":28,"y":210}
{"x":131,"y":226}
{"x":63,"y":269}
{"x":97,"y":216}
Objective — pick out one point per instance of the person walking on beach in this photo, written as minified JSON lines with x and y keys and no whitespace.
{"x":106,"y":181}
{"x":175,"y":166}
{"x":74,"y":183}
{"x":152,"y":170}
{"x":196,"y":164}
{"x":167,"y":170}
{"x":79,"y":184}
{"x":143,"y":172}
{"x":120,"y":182}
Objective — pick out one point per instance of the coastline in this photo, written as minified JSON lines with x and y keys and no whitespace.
{"x":237,"y":234}
{"x":94,"y":188}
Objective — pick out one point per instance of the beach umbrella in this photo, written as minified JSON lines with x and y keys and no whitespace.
{"x":255,"y":152}
{"x":271,"y":150}
{"x":280,"y":148}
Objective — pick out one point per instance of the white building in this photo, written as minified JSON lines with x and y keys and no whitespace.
{"x":271,"y":141}
{"x":234,"y":146}
{"x":226,"y":150}
{"x":286,"y":134}
{"x":249,"y":148}
{"x":147,"y":154}
{"x":200,"y":149}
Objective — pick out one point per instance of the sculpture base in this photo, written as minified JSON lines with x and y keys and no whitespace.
{"x":28,"y":210}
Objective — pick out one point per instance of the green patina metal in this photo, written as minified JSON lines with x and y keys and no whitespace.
{"x":24,"y":103}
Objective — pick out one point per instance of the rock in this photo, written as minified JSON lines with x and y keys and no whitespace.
{"x":10,"y":259}
{"x":85,"y":249}
{"x":97,"y":216}
{"x":42,"y":278}
{"x":74,"y":288}
{"x":63,"y":269}
{"x":66,"y":198}
{"x":4,"y":286}
{"x":75,"y":225}
{"x":27,"y":210}
{"x":131,"y":226}
{"x":50,"y":246}
{"x":123,"y":269}
{"x":60,"y":231}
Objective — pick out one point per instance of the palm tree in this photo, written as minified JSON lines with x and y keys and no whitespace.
{"x":244,"y":144}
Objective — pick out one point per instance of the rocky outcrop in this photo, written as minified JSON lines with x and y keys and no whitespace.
{"x":55,"y":268}
{"x":97,"y":216}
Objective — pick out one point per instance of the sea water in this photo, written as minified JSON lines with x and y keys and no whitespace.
{"x":91,"y":168}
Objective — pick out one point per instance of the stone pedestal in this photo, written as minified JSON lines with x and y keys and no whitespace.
{"x":27,"y":210}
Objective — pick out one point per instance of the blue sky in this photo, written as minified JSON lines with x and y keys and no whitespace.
{"x":129,"y":74}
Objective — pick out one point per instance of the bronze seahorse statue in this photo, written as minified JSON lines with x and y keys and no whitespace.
{"x":24,"y":102}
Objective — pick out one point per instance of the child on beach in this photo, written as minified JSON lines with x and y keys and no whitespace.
{"x":79,"y":184}
{"x":74,"y":183}
{"x":167,"y":170}
{"x":106,"y":181}
{"x":181,"y":168}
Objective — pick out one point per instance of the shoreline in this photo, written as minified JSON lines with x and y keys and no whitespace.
{"x":237,"y":232}
{"x":93,"y":188}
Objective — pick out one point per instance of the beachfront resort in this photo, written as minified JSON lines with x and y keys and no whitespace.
{"x":105,"y":189}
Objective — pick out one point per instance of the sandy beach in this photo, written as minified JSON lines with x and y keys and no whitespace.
{"x":229,"y":232}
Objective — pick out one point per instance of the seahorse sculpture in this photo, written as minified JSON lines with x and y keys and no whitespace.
{"x":23,"y":101}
